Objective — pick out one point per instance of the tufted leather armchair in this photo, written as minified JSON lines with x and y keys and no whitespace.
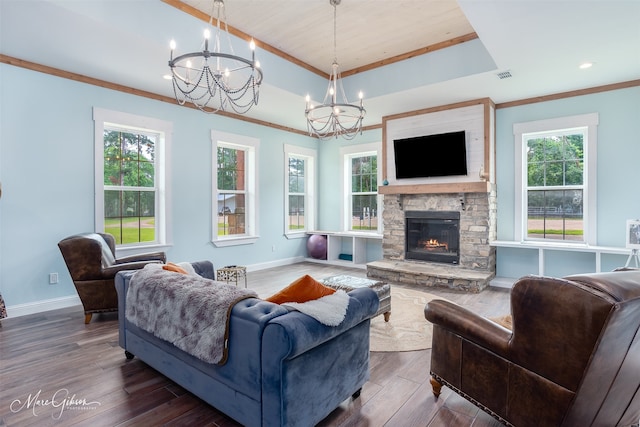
{"x":90,"y":258}
{"x":572,"y":357}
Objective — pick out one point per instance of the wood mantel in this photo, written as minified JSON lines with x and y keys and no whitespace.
{"x":457,"y":187}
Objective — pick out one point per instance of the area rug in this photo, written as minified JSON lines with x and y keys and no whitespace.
{"x":407,"y":329}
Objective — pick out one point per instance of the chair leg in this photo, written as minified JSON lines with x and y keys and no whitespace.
{"x":87,"y":318}
{"x":436,"y":386}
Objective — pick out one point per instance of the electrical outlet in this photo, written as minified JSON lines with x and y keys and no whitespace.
{"x":273,"y":248}
{"x":53,"y":278}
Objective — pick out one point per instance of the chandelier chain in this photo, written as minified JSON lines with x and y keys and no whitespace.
{"x":332,"y":118}
{"x":335,"y":32}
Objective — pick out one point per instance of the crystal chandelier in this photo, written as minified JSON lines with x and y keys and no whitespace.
{"x":333,"y":118}
{"x":212,"y":80}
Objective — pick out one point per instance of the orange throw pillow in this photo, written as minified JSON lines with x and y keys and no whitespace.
{"x":302,"y":290}
{"x":174,"y":267}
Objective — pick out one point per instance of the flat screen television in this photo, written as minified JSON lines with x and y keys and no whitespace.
{"x":443,"y":154}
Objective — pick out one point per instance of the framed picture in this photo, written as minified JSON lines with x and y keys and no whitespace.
{"x":633,"y":233}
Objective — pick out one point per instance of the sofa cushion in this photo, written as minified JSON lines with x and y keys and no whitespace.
{"x":304,"y":289}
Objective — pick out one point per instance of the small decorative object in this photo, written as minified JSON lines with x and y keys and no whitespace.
{"x":633,"y":234}
{"x":232,"y":274}
{"x":317,"y":246}
{"x":633,"y":241}
{"x":385,"y":182}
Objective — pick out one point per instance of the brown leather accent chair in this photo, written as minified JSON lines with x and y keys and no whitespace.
{"x":572,"y":357}
{"x":90,"y":258}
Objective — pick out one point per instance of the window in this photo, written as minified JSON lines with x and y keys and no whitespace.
{"x":131,"y":170}
{"x":234,"y":183}
{"x":556,"y":161}
{"x":361,"y":188}
{"x":299,"y":190}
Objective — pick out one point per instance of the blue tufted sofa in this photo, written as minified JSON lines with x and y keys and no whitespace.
{"x":284,"y":368}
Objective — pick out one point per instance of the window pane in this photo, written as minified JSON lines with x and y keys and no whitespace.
{"x":553,"y":148}
{"x":231,"y":169}
{"x":364,"y":207}
{"x":535,"y":162}
{"x":356,"y":183}
{"x":129,"y":159}
{"x":574,"y":174}
{"x":231,"y":214}
{"x":364,"y":212}
{"x":555,"y":161}
{"x":554,"y":173}
{"x":556,"y":214}
{"x":296,"y":175}
{"x":130,"y":216}
{"x":296,"y":212}
{"x":364,"y":174}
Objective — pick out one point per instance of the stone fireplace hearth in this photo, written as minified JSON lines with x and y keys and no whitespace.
{"x":476,"y":259}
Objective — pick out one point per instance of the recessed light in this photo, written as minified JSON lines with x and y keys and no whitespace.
{"x":586,"y":65}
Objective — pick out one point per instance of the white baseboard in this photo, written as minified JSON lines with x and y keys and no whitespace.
{"x":502,"y":282}
{"x":64,"y":302}
{"x":40,"y":306}
{"x":272,"y":264}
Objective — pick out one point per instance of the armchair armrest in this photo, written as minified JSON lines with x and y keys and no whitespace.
{"x":305,"y":333}
{"x":151,"y":256}
{"x":112,"y":270}
{"x":469,"y":325}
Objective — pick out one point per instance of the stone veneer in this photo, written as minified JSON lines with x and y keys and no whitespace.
{"x":477,"y":228}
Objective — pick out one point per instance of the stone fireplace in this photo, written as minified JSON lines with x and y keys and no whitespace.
{"x":435,"y":251}
{"x":463,"y":262}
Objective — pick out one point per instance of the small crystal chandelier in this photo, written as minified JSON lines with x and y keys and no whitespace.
{"x":214,"y":81}
{"x":333,"y":118}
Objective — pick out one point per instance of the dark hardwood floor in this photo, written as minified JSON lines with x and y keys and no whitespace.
{"x":55,"y":356}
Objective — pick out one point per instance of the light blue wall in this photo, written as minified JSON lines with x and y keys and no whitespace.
{"x":46,"y":170}
{"x":618,"y":178}
{"x":47,"y":175}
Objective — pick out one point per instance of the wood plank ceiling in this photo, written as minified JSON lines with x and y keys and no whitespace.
{"x":369,"y":32}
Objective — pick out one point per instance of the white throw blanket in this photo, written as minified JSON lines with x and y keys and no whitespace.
{"x":188,"y":311}
{"x":329,"y":310}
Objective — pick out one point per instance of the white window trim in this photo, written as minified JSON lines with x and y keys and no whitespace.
{"x":310,"y":155}
{"x":135,"y":123}
{"x":347,"y":153}
{"x":251,"y":147}
{"x":590,"y":121}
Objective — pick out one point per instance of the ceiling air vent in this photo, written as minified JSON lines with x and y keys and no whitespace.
{"x":504,"y":75}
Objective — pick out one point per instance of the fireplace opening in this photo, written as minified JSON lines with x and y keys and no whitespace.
{"x":432,"y":236}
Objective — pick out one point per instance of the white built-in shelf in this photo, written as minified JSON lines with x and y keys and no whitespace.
{"x":544,"y":247}
{"x":355,"y":244}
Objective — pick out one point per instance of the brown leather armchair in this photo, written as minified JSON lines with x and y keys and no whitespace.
{"x":572,"y":357}
{"x":90,"y":258}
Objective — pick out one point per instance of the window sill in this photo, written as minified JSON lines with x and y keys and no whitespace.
{"x":553,"y":246}
{"x":363,"y":234}
{"x":124,"y":251}
{"x":296,"y":235}
{"x":235,"y":241}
